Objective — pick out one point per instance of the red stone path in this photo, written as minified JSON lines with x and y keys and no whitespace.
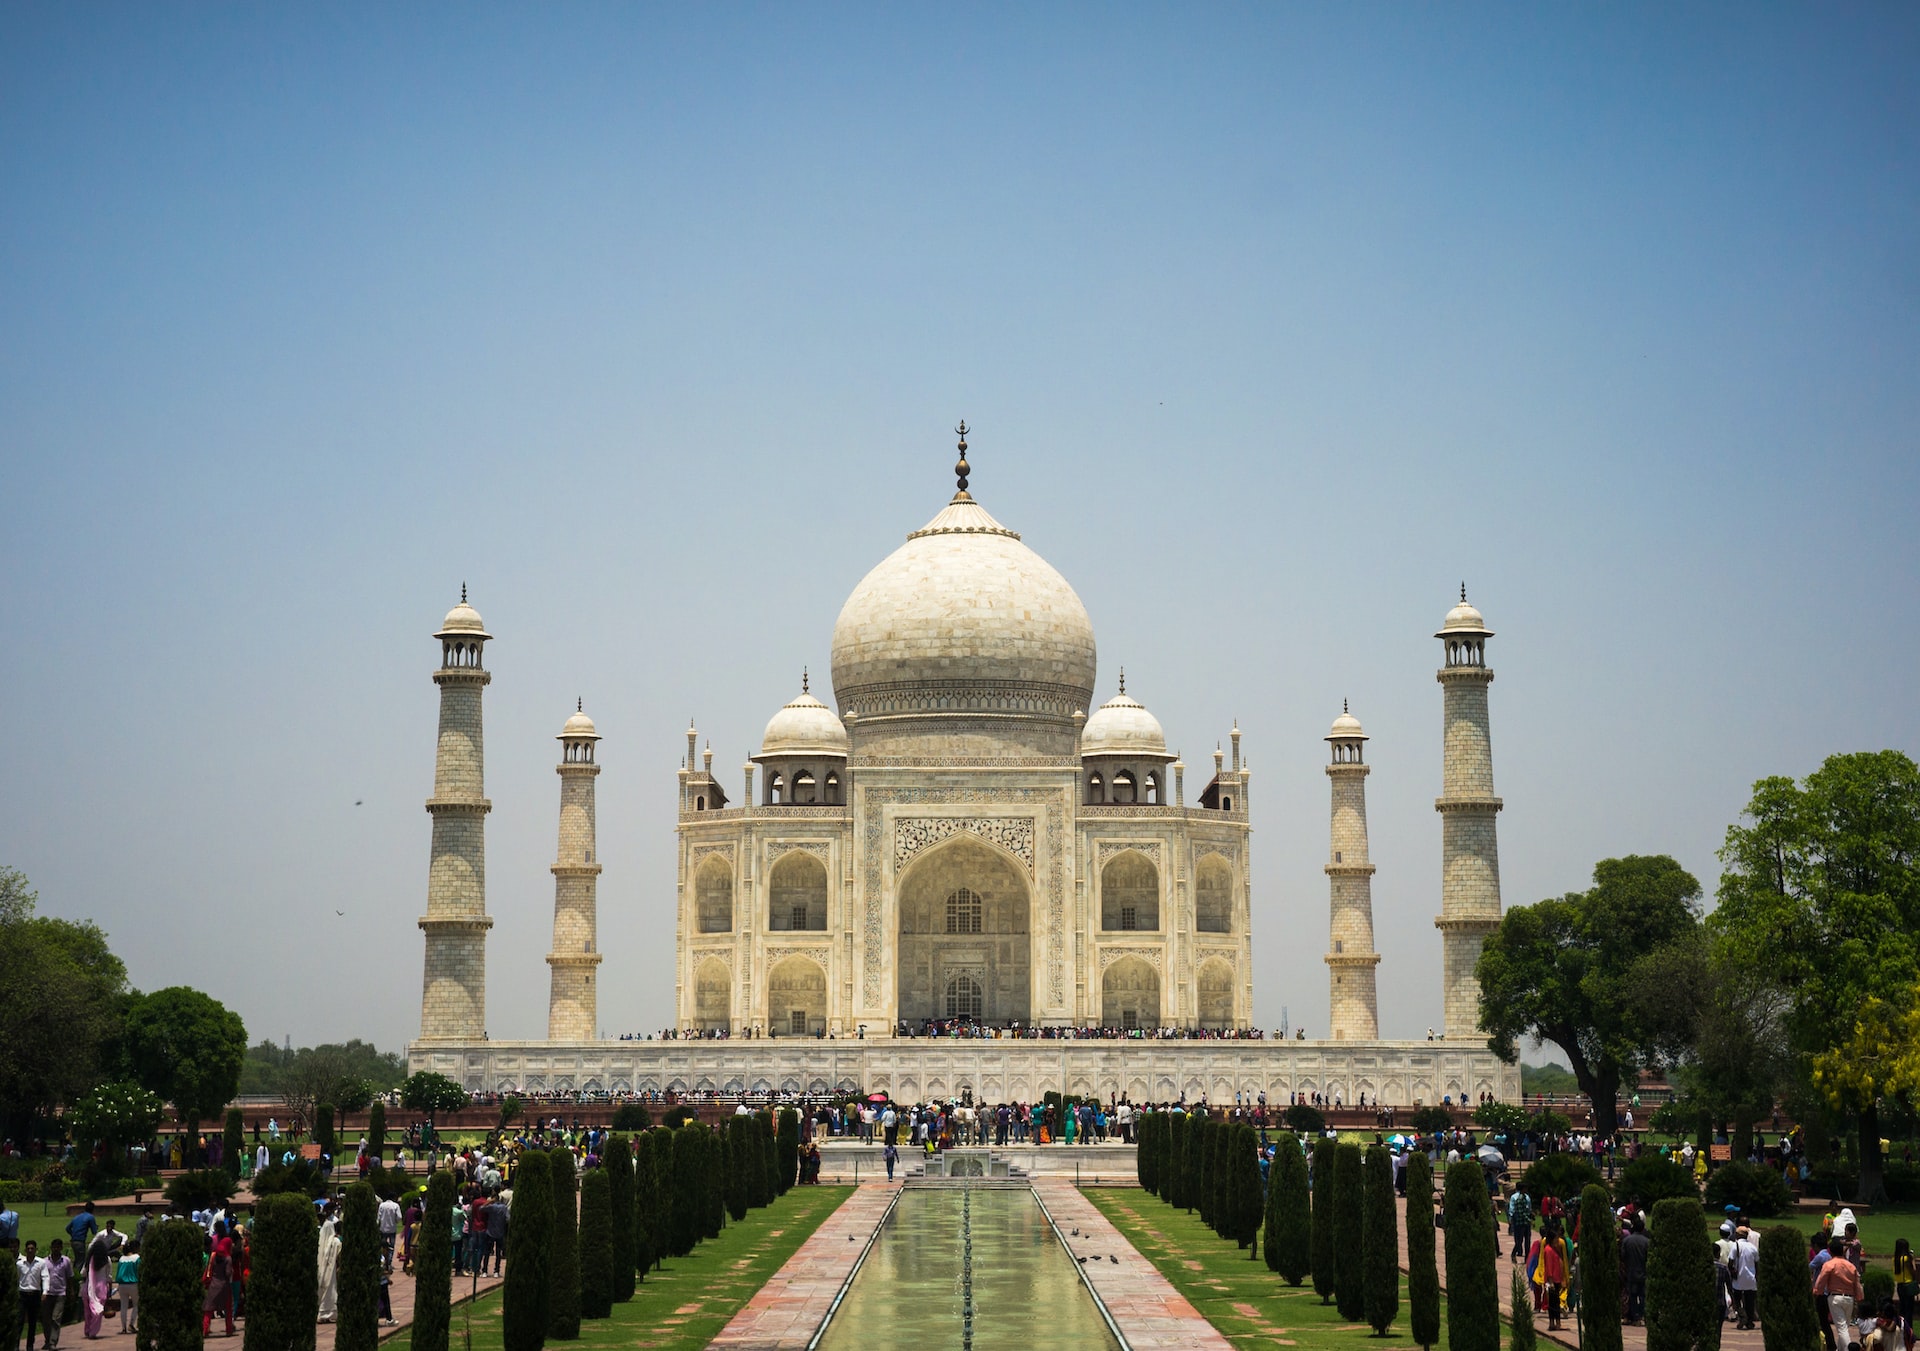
{"x":1146,"y":1307}
{"x":790,"y":1307}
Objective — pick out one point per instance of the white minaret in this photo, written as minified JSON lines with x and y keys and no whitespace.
{"x":1355,"y":1006}
{"x":573,"y":1005}
{"x":453,"y":997}
{"x":1470,"y":849}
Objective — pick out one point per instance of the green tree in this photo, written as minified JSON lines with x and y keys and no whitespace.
{"x":433,"y":1266}
{"x":1820,"y":888}
{"x":1564,"y":971}
{"x":170,"y":1264}
{"x":596,"y":1244}
{"x":789,"y":1142}
{"x":1683,"y":1300}
{"x":60,"y":974}
{"x":1198,"y":1125}
{"x":282,"y":1298}
{"x":115,"y":1115}
{"x":523,"y":1325}
{"x":1379,"y":1240}
{"x":1787,"y":1319}
{"x":187,"y":1047}
{"x":323,"y":1128}
{"x":1324,"y":1259}
{"x":1218,"y":1156}
{"x":1349,"y":1280}
{"x":769,"y":1159}
{"x":1306,"y":1119}
{"x":563,"y":1271}
{"x":359,"y":1304}
{"x":1473,"y":1278}
{"x":739,"y":1166}
{"x":1289,"y":1221}
{"x":434,"y":1094}
{"x":632,"y":1116}
{"x":233,"y":1141}
{"x":717,"y":1173}
{"x":689,"y":1187}
{"x":1244,"y":1190}
{"x":377,"y":1129}
{"x":1423,"y":1267}
{"x":1521,"y":1336}
{"x":1143,"y":1156}
{"x":10,"y":1313}
{"x":1178,"y":1124}
{"x":618,"y":1163}
{"x":648,"y":1238}
{"x":1599,"y":1272}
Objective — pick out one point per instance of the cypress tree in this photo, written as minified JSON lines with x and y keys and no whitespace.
{"x":377,"y":1129}
{"x":323,"y":1127}
{"x":716,"y":1183}
{"x":646,"y":1208}
{"x":1349,"y":1281}
{"x":10,"y":1315}
{"x":1143,"y":1153}
{"x":1599,"y":1272}
{"x":1787,"y":1319}
{"x":1520,"y":1334}
{"x":1473,"y":1278}
{"x":233,"y":1143}
{"x":596,"y":1244}
{"x":1423,"y":1269}
{"x":1246,"y":1191}
{"x":563,"y":1270}
{"x":1289,"y":1221}
{"x":170,"y":1265}
{"x":432,"y":1267}
{"x":788,"y":1140}
{"x":1323,"y":1244}
{"x":1379,"y":1241}
{"x":1223,"y":1179}
{"x":618,"y":1163}
{"x":740,"y":1166}
{"x":689,"y":1187}
{"x":760,"y":1178}
{"x":359,"y":1306}
{"x":1196,"y":1179}
{"x":523,"y":1324}
{"x":1683,"y":1300}
{"x":282,"y":1298}
{"x":1175,"y":1190}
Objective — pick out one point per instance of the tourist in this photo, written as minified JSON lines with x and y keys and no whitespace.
{"x":1547,"y":1270}
{"x":30,"y":1269}
{"x":81,"y":1228}
{"x":218,"y":1280}
{"x":388,"y":1221}
{"x":126,"y":1275}
{"x":327,"y":1266}
{"x":498,"y":1217}
{"x":1519,"y":1220}
{"x":1887,"y":1334}
{"x":1633,"y":1267}
{"x":892,"y":1156}
{"x":1838,"y":1288}
{"x":96,"y":1286}
{"x":56,"y":1276}
{"x":1904,"y":1285}
{"x":1746,"y":1285}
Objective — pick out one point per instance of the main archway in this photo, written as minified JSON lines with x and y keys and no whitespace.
{"x":965,"y":936}
{"x":1130,"y":995}
{"x":797,"y":998}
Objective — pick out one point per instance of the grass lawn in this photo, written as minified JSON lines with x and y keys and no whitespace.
{"x":686,"y":1304}
{"x":1878,"y":1228}
{"x":1248,"y":1304}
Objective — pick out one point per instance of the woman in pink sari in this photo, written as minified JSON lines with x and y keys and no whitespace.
{"x":97,"y":1285}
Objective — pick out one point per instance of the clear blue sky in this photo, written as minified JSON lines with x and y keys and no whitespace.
{"x":649,"y":323}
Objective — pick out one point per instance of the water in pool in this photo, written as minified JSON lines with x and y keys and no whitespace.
{"x":1026,"y":1289}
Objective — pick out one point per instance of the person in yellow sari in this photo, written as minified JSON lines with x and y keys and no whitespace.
{"x":1547,"y":1266}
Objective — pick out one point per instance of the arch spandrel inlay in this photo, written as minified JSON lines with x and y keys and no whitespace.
{"x":914,"y":835}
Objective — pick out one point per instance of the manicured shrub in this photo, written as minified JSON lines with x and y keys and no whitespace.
{"x":1349,"y":1286}
{"x":622,"y":1254}
{"x":1289,"y":1221}
{"x":788,"y":1140}
{"x":433,"y":1265}
{"x":1323,"y":1208}
{"x":170,"y":1265}
{"x":1432,"y":1120}
{"x":716,"y":1193}
{"x":301,"y":1177}
{"x":1473,"y":1279}
{"x":1379,"y":1240}
{"x":199,"y":1189}
{"x":1760,"y":1192}
{"x":1683,"y":1298}
{"x":646,"y":1208}
{"x":1423,"y":1267}
{"x":282,"y":1298}
{"x":1787,"y":1318}
{"x":770,"y":1156}
{"x":741,"y":1163}
{"x":1566,"y":1176}
{"x":632,"y":1116}
{"x":1307,"y":1119}
{"x":323,"y":1127}
{"x":358,"y":1328}
{"x":1599,"y":1272}
{"x":523,"y":1323}
{"x":1196,"y":1175}
{"x":233,"y":1142}
{"x":377,"y":1129}
{"x":1143,"y":1154}
{"x":1520,"y":1333}
{"x":1178,"y":1124}
{"x":1650,"y":1179}
{"x":689,"y":1187}
{"x":563,"y":1266}
{"x":10,"y":1312}
{"x":596,"y":1244}
{"x":1243,"y":1189}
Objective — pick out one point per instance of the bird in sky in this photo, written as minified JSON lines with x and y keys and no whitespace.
{"x":357,"y":801}
{"x":340,"y":912}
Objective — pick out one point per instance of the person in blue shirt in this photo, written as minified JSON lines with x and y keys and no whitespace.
{"x":9,"y":1225}
{"x":82,"y":1227}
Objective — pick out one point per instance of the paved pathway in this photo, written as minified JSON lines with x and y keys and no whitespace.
{"x":790,"y":1307}
{"x":1149,"y":1311}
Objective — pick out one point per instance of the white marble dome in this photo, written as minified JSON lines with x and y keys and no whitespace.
{"x":1463,"y":618}
{"x":462,"y":618}
{"x":579,"y":727}
{"x":804,"y":727}
{"x":1122,"y":726}
{"x":1346,"y":727}
{"x":962,"y":618}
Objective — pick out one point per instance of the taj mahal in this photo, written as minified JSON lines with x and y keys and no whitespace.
{"x":962,"y":838}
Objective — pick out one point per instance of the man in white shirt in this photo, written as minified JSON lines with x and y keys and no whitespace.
{"x":388,"y":1220}
{"x":29,"y":1270}
{"x":1746,"y":1284}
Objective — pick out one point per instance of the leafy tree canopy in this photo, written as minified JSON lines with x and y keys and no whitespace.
{"x":1564,"y":971}
{"x":432,"y":1093}
{"x":115,"y":1114}
{"x":346,"y":1074}
{"x":60,"y":1003}
{"x":187,"y":1047}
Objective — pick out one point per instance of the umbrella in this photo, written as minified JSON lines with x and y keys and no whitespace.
{"x":876,"y":1097}
{"x":1398,"y":1140}
{"x":1490,"y":1157}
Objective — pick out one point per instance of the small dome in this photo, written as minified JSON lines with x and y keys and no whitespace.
{"x":1122,"y":726}
{"x":1464,"y":619}
{"x":804,"y":727}
{"x":579,"y":728}
{"x":462,"y":618}
{"x":1346,"y":727}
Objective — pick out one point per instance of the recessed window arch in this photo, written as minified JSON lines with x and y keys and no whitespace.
{"x":963,"y":996}
{"x":1213,"y":895}
{"x":963,"y":911}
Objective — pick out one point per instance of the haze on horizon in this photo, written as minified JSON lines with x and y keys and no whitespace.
{"x":650,"y":325}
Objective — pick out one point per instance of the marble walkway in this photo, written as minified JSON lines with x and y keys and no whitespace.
{"x":790,"y":1307}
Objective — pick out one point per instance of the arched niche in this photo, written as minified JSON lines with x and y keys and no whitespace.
{"x":1213,"y":895}
{"x":712,"y":995}
{"x":713,"y":896}
{"x":1130,"y":994}
{"x":797,"y":998}
{"x":797,"y":893}
{"x":1130,"y":893}
{"x":1216,"y":994}
{"x":939,"y":899}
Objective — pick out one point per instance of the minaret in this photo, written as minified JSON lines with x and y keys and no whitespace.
{"x":1354,"y":1005}
{"x":573,"y":1005}
{"x":1470,"y":851}
{"x":453,"y":998}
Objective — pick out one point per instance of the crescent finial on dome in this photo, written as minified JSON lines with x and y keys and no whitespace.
{"x":960,"y":469}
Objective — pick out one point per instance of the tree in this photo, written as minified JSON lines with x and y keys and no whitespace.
{"x":233,"y":1141}
{"x":323,"y":1127}
{"x":596,"y":1244}
{"x":510,"y":1109}
{"x":432,"y":1093}
{"x":1323,"y":1224}
{"x":170,"y":1262}
{"x":716,"y":1183}
{"x":769,"y":1160}
{"x":1521,"y":1336}
{"x":433,"y":1266}
{"x":632,"y":1116}
{"x":1178,"y":1124}
{"x":1787,"y":1319}
{"x":1220,"y":1163}
{"x":187,"y":1047}
{"x":1196,"y":1192}
{"x":1683,"y":1302}
{"x":789,"y":1143}
{"x":739,"y":1164}
{"x":523,"y":1325}
{"x":1289,"y":1214}
{"x":1821,"y":889}
{"x":1244,"y":1190}
{"x":563,"y":1271}
{"x":1433,"y":1119}
{"x":1599,"y":1272}
{"x":1565,"y":970}
{"x":377,"y":1129}
{"x":1473,"y":1278}
{"x":1349,"y":1283}
{"x":346,"y":1074}
{"x":282,"y":1299}
{"x":1509,"y":1117}
{"x":115,"y":1115}
{"x":618,"y":1164}
{"x":648,"y":1233}
{"x":60,"y":974}
{"x":1379,"y":1241}
{"x":1143,"y":1155}
{"x":1306,"y":1119}
{"x":359,"y":1303}
{"x":1423,"y":1268}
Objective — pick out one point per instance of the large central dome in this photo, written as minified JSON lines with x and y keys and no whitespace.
{"x":963,"y":621}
